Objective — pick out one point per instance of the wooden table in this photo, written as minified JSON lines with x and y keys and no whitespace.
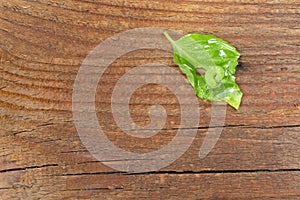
{"x":44,"y":42}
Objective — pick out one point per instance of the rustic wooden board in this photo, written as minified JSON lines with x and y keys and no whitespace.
{"x":44,"y":42}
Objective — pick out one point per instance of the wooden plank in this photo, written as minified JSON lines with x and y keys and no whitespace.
{"x":44,"y":42}
{"x":239,"y":148}
{"x":34,"y":183}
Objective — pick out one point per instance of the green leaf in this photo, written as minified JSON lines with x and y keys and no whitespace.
{"x":217,"y":57}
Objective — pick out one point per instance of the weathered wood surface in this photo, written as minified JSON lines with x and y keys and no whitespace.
{"x":43,"y":43}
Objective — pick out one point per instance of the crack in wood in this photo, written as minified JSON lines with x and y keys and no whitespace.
{"x":46,"y":124}
{"x":184,"y":172}
{"x":28,"y":167}
{"x":105,"y":188}
{"x":228,"y":126}
{"x":23,"y":131}
{"x":6,"y":188}
{"x":31,"y":130}
{"x":220,"y":171}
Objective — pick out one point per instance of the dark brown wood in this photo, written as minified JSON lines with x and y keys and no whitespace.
{"x":44,"y":42}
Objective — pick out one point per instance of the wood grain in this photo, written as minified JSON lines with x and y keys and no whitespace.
{"x":44,"y":42}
